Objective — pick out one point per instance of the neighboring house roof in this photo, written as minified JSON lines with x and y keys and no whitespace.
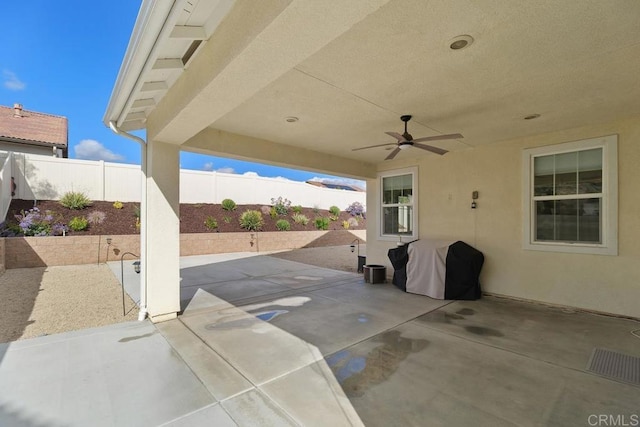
{"x":19,"y":125}
{"x":335,"y":186}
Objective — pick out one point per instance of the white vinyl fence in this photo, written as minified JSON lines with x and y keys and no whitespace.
{"x":49,"y":178}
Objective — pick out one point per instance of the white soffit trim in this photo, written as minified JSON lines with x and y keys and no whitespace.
{"x":157,"y":23}
{"x":149,"y":23}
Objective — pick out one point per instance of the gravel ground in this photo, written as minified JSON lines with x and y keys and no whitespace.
{"x":49,"y":300}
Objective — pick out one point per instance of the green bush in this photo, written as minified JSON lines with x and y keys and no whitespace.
{"x":297,"y":209}
{"x":273,"y":212}
{"x":345,"y":225}
{"x":118,"y":205}
{"x":75,"y":200}
{"x":300,"y":219}
{"x":211,"y":223}
{"x":281,"y":205}
{"x":251,"y":220}
{"x":283,"y":225}
{"x":334,"y":210}
{"x":322,"y":223}
{"x":228,"y":205}
{"x":226,"y":219}
{"x":78,"y":223}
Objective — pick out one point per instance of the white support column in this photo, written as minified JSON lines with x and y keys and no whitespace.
{"x":160,"y":230}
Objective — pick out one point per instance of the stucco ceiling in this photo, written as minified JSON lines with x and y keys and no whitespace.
{"x":350,"y":72}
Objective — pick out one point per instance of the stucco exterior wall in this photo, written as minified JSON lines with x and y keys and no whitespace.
{"x":602,"y":283}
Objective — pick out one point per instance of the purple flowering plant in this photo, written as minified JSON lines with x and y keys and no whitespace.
{"x":36,"y":223}
{"x":356,"y":209}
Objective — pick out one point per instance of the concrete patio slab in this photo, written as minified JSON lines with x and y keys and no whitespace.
{"x":391,"y":359}
{"x":560,"y":336}
{"x":323,"y":322}
{"x":255,"y":408}
{"x":304,"y":394}
{"x":420,"y":376}
{"x":103,"y":377}
{"x":382,"y":298}
{"x":220,"y":378}
{"x":259,"y":351}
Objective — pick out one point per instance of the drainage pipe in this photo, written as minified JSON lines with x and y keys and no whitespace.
{"x":143,"y":214}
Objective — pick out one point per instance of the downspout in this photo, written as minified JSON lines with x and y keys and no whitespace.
{"x":143,"y":232}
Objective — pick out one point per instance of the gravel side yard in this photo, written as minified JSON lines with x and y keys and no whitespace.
{"x":49,"y":300}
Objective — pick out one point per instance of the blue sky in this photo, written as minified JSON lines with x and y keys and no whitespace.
{"x":62,"y":58}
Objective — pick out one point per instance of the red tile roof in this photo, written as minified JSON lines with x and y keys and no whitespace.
{"x":33,"y":126}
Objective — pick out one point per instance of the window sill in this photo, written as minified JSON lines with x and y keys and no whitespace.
{"x":573,"y":248}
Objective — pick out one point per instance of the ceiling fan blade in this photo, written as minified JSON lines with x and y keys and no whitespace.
{"x":439,"y":137}
{"x":374,"y":146}
{"x":393,"y":154}
{"x":396,"y":135}
{"x":430,"y":148}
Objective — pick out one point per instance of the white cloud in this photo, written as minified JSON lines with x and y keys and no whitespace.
{"x":209,"y":168}
{"x":250,"y":174}
{"x":226,"y":170}
{"x":11,"y":81}
{"x":90,"y":149}
{"x":341,"y":181}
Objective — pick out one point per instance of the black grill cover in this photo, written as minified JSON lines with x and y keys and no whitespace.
{"x":463,"y":266}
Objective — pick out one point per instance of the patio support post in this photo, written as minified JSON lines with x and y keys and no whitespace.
{"x":160,"y":230}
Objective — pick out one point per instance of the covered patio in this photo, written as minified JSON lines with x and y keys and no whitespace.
{"x":313,"y":346}
{"x":535,"y":109}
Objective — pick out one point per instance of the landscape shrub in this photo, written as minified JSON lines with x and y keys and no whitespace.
{"x":281,"y":205}
{"x":251,"y":220}
{"x":226,"y":219}
{"x":296,"y":209}
{"x":273,"y":213}
{"x":118,"y":205}
{"x":211,"y":223}
{"x":78,"y":223}
{"x":75,"y":200}
{"x":96,"y":217}
{"x":283,"y":225}
{"x":322,"y":223}
{"x":334,"y":213}
{"x":356,"y":209}
{"x":345,"y":225}
{"x":35,"y":223}
{"x":300,"y":219}
{"x":228,"y":205}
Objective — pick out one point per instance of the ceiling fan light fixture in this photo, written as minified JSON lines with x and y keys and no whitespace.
{"x":460,"y":42}
{"x":404,"y":146}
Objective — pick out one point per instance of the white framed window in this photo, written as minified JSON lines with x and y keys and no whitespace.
{"x":399,"y":204}
{"x":570,"y":197}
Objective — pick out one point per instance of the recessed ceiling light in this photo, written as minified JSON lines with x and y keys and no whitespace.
{"x":532,"y":116}
{"x":460,"y":42}
{"x":291,"y":119}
